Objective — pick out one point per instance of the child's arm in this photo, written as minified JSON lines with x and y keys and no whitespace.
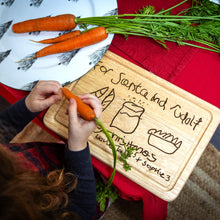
{"x":82,"y":200}
{"x":17,"y":116}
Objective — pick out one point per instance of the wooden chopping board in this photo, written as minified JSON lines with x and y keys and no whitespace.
{"x":168,"y":127}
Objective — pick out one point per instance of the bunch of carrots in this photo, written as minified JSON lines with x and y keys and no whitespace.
{"x":72,"y":40}
{"x":197,"y":26}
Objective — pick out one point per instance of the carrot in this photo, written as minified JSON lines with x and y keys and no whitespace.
{"x":59,"y":38}
{"x":83,"y":109}
{"x":57,"y":23}
{"x":87,"y":38}
{"x":92,"y":36}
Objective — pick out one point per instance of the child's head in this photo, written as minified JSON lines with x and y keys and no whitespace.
{"x":26,"y":194}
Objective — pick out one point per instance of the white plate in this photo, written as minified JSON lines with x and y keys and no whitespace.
{"x":215,"y":1}
{"x":64,"y":67}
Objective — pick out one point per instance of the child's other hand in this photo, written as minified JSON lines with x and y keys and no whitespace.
{"x":43,"y":95}
{"x":80,"y":129}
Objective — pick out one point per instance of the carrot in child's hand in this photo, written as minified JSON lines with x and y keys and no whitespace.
{"x":83,"y":109}
{"x":88,"y":114}
{"x":60,"y":38}
{"x":87,"y":38}
{"x":57,"y":23}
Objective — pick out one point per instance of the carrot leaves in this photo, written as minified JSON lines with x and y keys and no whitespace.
{"x":103,"y":194}
{"x":197,"y":26}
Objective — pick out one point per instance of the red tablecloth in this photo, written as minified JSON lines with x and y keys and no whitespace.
{"x":194,"y":70}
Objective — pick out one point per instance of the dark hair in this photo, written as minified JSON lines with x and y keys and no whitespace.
{"x":26,"y":194}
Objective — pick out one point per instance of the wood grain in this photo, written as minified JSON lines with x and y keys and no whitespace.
{"x":168,"y":127}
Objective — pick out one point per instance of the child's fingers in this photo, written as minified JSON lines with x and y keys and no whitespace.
{"x":49,"y":101}
{"x":88,"y":96}
{"x":48,"y":87}
{"x":94,"y":102}
{"x":72,"y":111}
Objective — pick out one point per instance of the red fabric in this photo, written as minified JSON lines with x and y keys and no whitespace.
{"x":10,"y":94}
{"x":201,"y":77}
{"x":39,"y":156}
{"x":192,"y":69}
{"x":27,"y":164}
{"x":146,"y":52}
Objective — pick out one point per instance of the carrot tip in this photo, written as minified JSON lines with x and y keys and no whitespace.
{"x":34,"y":41}
{"x":25,"y":59}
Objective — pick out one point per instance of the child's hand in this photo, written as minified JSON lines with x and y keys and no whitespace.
{"x":43,"y":95}
{"x":80,"y":129}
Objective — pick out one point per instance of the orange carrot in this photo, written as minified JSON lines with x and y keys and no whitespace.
{"x":87,"y":38}
{"x":83,"y":109}
{"x":60,"y":38}
{"x":57,"y":23}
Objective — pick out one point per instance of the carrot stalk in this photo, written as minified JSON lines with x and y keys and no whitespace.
{"x":60,"y":38}
{"x":57,"y":23}
{"x":82,"y":108}
{"x":98,"y":122}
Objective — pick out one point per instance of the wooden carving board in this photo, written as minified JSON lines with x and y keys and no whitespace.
{"x":168,"y":127}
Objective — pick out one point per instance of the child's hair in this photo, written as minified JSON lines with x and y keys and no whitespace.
{"x":27,"y":194}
